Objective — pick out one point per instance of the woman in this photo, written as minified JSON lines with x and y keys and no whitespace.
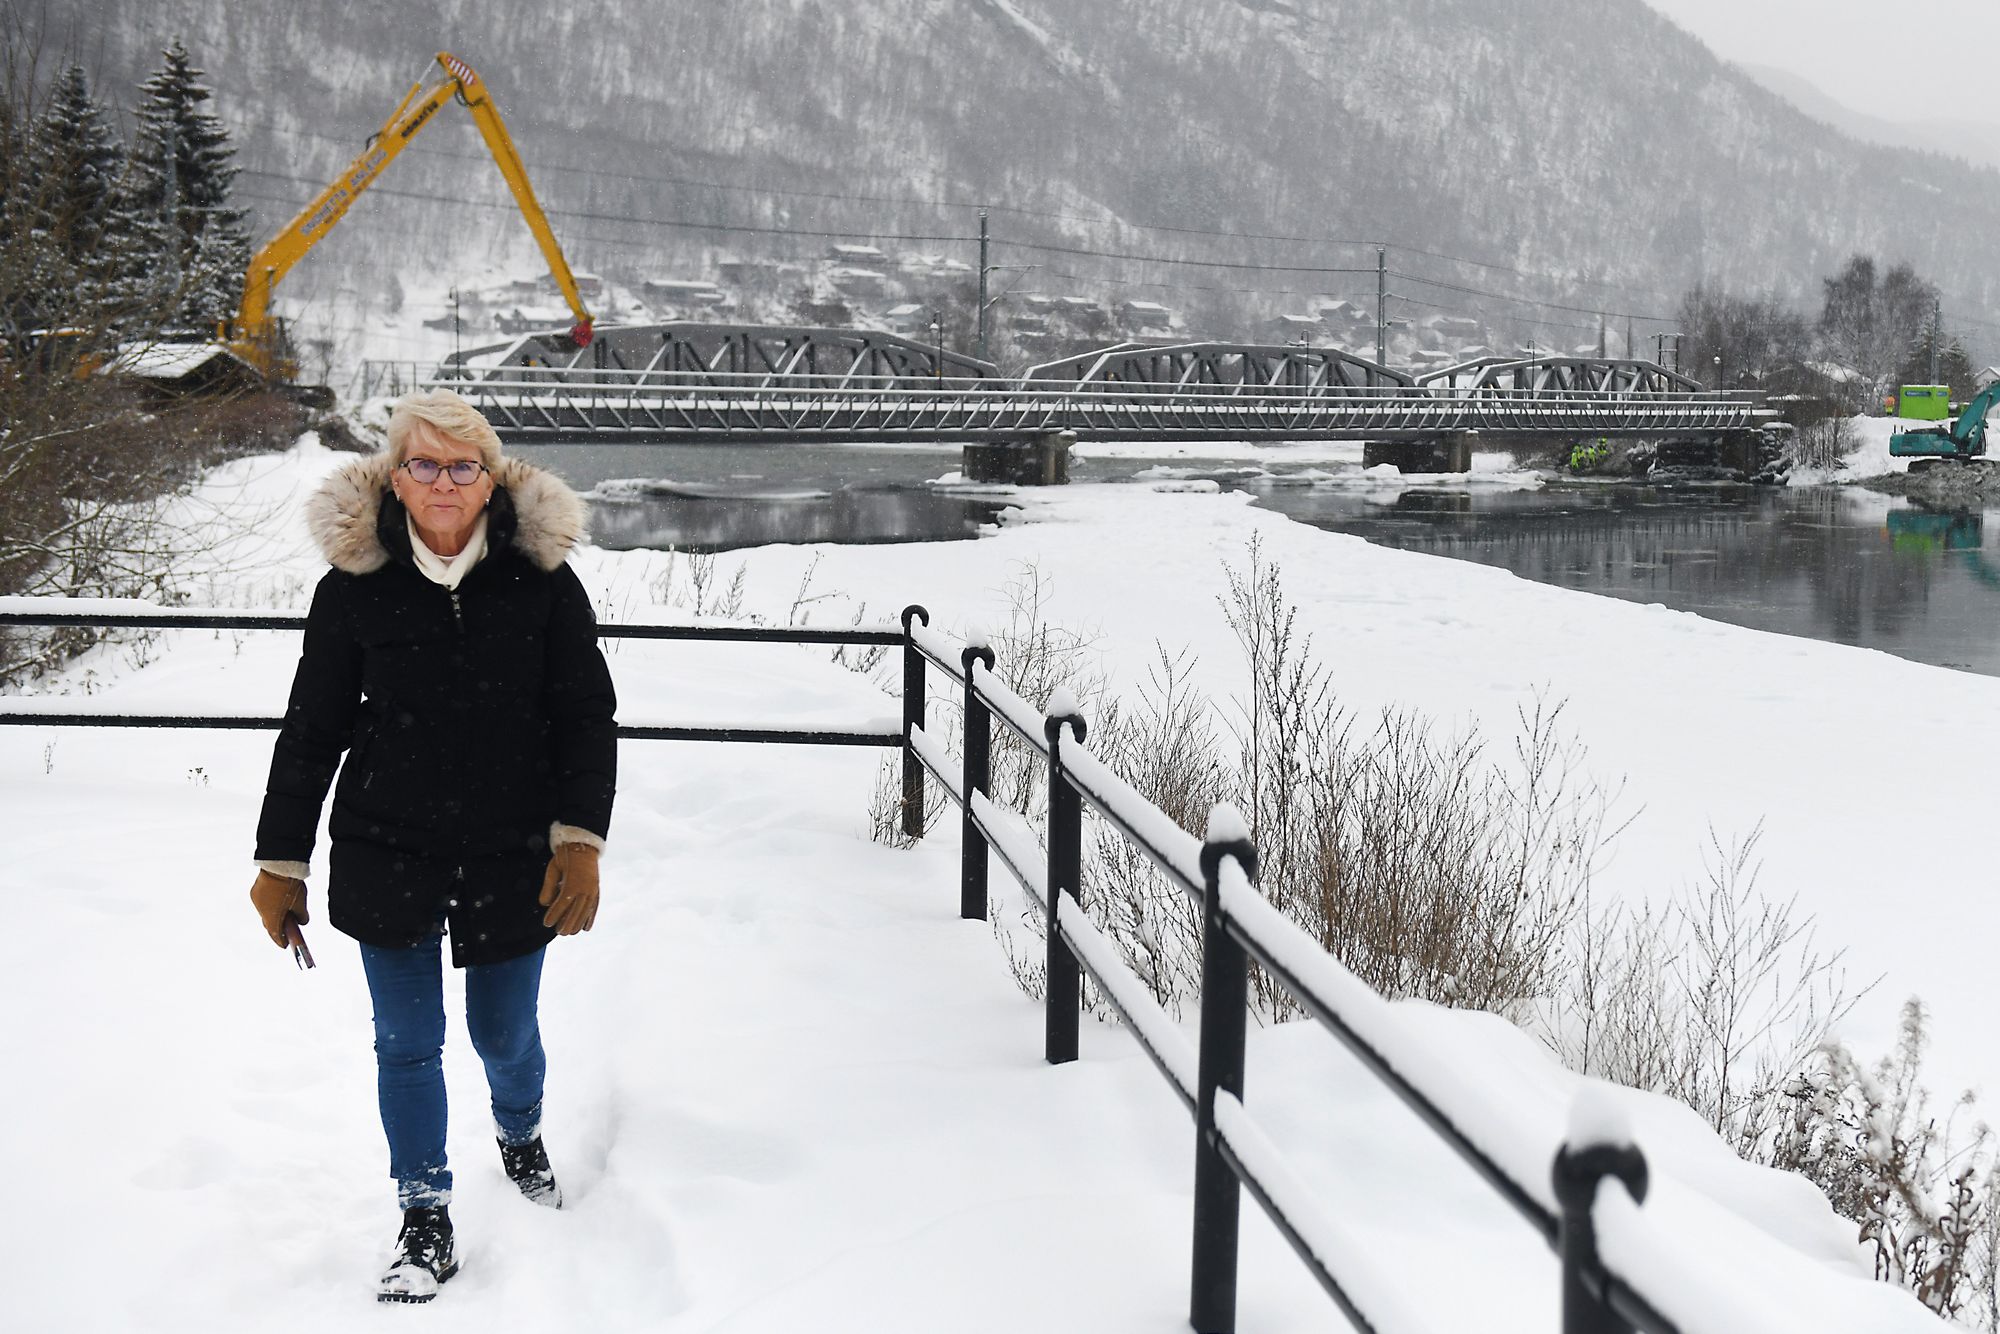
{"x":452,"y":655}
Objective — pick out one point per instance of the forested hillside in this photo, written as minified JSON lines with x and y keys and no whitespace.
{"x":1575,"y":153}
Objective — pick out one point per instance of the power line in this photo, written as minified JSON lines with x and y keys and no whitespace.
{"x":1546,"y":305}
{"x":1018,"y":211}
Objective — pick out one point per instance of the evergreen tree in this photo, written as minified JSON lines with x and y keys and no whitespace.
{"x":79,"y":214}
{"x":192,"y":246}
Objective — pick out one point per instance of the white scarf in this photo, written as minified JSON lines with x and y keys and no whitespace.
{"x":448,"y":570}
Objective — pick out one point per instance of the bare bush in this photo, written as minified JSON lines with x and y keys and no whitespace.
{"x":1713,"y":999}
{"x":1924,"y":1192}
{"x":1428,"y":867}
{"x":1823,"y":442}
{"x":692,"y":581}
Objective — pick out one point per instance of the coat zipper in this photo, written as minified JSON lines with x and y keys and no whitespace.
{"x":457,"y":612}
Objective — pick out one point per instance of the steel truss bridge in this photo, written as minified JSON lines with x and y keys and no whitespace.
{"x":713,"y":383}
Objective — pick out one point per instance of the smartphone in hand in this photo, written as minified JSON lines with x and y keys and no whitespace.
{"x":295,"y":936}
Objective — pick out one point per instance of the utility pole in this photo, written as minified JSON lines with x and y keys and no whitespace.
{"x":1660,"y":341}
{"x":1937,"y":328}
{"x":1381,"y":305}
{"x":983,"y":271}
{"x":1631,"y":348}
{"x":1601,"y":352}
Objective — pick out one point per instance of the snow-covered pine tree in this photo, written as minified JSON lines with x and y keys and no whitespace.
{"x":192,"y":246}
{"x":79,"y":214}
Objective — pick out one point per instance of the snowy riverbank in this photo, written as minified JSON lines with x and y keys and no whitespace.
{"x":789,"y":1087}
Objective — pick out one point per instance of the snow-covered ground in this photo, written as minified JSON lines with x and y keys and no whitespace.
{"x":790,"y":1089}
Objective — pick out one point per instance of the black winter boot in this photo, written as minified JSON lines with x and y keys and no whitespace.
{"x":528,"y":1168}
{"x":424,"y":1258}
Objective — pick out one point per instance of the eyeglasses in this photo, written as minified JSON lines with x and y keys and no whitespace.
{"x":464,"y":472}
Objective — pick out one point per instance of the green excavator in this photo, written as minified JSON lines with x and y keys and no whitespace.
{"x":1964,"y":438}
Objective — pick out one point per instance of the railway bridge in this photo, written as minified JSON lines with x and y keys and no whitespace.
{"x":713,"y":383}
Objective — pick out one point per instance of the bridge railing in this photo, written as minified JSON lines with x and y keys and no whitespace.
{"x":545,"y":379}
{"x":642,"y":405}
{"x":1231,"y":1151}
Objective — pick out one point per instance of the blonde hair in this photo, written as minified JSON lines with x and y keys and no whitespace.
{"x":448,"y":415}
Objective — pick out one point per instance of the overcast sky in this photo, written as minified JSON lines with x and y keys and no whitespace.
{"x":1905,"y":60}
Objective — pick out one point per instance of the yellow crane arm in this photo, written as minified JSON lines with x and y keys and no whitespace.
{"x":487,"y":117}
{"x":315,"y":220}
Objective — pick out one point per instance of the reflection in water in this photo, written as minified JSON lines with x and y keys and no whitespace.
{"x":1824,"y":563}
{"x":724,"y":522}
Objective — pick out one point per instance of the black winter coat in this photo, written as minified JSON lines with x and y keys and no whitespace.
{"x":472,"y":720}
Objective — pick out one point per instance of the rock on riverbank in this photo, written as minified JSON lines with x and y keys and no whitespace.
{"x":1944,"y":484}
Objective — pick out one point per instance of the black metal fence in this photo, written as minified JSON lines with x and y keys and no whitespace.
{"x":1238,"y":925}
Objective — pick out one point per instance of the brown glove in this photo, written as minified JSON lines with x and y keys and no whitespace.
{"x":278,"y":897}
{"x":569,"y":889}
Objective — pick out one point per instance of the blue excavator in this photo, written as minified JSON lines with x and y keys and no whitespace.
{"x":1964,"y":438}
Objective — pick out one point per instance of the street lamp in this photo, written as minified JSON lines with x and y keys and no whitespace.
{"x":937,"y":338}
{"x":987,"y":303}
{"x":1718,"y":372}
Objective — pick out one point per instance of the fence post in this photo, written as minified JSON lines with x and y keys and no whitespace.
{"x":913,"y":716}
{"x":1063,"y":999}
{"x":978,"y":778}
{"x":1225,"y":1016}
{"x":1576,"y":1175}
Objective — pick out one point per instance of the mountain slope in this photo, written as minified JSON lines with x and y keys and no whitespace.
{"x":1587,"y":152}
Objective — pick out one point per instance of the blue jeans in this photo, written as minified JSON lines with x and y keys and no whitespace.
{"x":407,"y":987}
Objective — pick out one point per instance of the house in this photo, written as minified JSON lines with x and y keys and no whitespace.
{"x":1145,"y":315}
{"x":855,"y":281}
{"x":859,"y":255}
{"x":1292,"y":328}
{"x":533,"y":319}
{"x":908,"y":318}
{"x":172,"y":370}
{"x":1459,"y":329}
{"x":1343,"y":315}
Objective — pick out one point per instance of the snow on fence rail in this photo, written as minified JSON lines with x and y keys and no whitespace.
{"x":1238,"y":925}
{"x":1558,"y":1200}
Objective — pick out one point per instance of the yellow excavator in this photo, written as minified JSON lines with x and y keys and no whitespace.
{"x":255,"y":335}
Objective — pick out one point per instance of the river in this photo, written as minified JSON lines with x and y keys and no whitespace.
{"x":1830,"y":563}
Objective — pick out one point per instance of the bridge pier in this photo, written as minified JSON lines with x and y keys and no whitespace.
{"x":1448,"y":452}
{"x":1042,"y":461}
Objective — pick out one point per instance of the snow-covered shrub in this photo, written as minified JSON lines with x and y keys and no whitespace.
{"x":1925,"y":1193}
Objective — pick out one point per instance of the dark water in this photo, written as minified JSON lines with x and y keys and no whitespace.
{"x":1824,"y":563}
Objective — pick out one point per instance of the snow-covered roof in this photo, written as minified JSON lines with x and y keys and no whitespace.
{"x":168,"y":361}
{"x":1834,"y":371}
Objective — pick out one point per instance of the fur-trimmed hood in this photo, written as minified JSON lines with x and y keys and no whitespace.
{"x":532,"y":510}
